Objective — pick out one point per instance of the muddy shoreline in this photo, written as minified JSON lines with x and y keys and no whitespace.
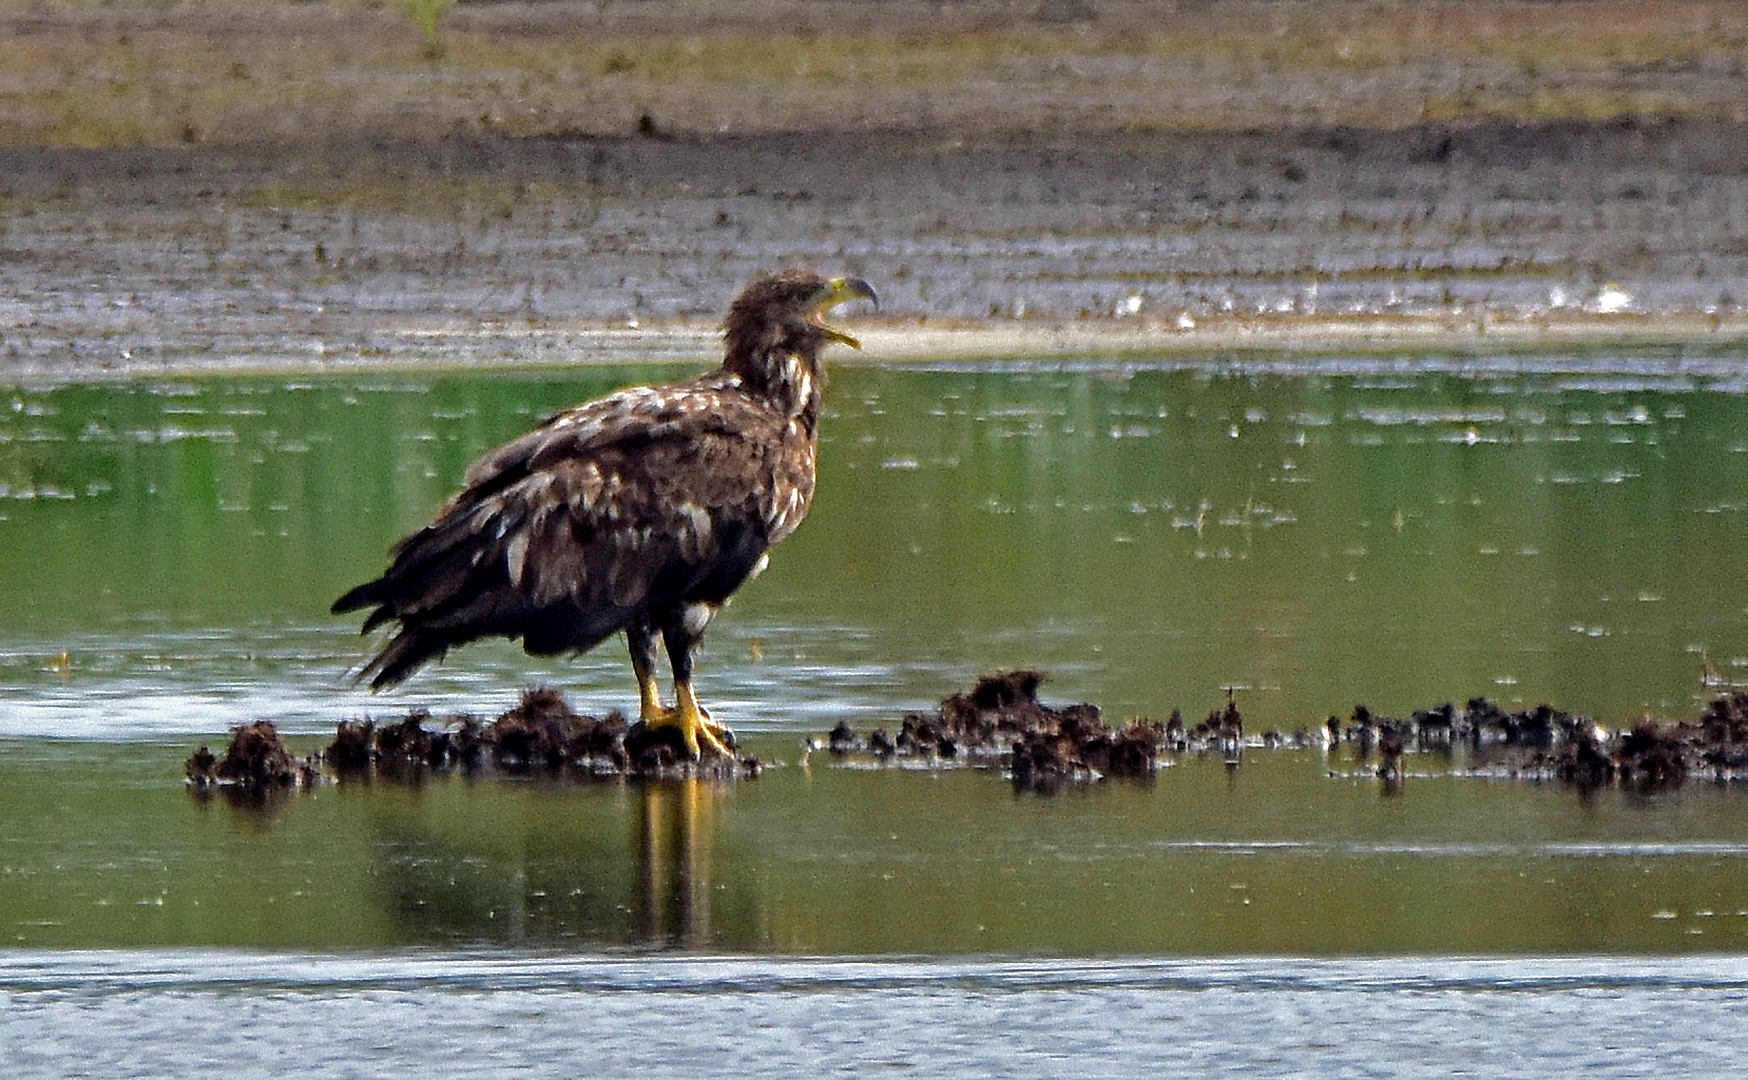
{"x":1108,"y":213}
{"x":546,"y":250}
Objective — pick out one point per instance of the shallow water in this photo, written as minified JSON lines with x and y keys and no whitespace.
{"x":102,"y":847}
{"x":254,"y":1015}
{"x":1398,"y":531}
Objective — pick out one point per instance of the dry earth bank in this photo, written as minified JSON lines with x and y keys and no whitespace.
{"x":208,"y":185}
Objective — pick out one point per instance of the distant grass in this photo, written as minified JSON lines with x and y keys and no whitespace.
{"x":427,"y":15}
{"x":123,"y":72}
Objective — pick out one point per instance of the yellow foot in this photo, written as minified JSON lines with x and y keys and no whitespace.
{"x":697,"y":730}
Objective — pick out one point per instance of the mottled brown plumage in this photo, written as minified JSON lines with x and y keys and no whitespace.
{"x":641,"y":511}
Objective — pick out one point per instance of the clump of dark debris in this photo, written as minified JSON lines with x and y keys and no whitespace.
{"x":255,"y":760}
{"x":1547,"y":743}
{"x":1000,"y":723}
{"x":541,"y":735}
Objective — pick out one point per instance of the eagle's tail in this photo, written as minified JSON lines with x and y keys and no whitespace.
{"x":371,"y":592}
{"x":404,"y":654}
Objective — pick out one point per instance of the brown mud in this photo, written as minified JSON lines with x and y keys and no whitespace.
{"x":237,"y":186}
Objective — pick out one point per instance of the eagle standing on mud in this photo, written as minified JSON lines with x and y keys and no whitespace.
{"x":639,"y":512}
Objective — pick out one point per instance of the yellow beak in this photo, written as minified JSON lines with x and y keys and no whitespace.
{"x":840,"y":290}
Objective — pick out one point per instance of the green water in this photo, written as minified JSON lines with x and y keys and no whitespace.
{"x":1401,"y":533}
{"x":1274,"y":860}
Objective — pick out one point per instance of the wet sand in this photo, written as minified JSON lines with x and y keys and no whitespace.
{"x":232,"y":186}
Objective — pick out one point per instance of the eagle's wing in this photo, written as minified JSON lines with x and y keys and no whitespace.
{"x":564,"y":535}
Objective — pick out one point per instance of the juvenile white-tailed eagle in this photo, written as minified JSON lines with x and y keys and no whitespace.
{"x":639,"y":512}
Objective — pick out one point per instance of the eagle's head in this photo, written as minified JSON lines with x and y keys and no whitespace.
{"x":779,"y":320}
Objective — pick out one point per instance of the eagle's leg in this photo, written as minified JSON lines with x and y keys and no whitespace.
{"x":695,"y":724}
{"x":682,"y":635}
{"x":650,"y":709}
{"x":697,"y":730}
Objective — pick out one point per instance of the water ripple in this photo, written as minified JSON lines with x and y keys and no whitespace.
{"x":255,"y":1014}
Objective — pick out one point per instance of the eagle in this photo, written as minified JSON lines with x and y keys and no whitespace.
{"x":640,"y":512}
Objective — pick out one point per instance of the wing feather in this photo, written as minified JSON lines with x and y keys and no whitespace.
{"x":565,"y":534}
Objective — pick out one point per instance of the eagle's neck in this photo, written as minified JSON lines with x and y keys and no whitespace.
{"x":788,"y":379}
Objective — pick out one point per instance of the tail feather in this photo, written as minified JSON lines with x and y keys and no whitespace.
{"x":377,"y":618}
{"x":455,"y":581}
{"x":404,"y":654}
{"x":362,"y":596}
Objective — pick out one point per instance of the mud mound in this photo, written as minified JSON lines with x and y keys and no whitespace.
{"x":1001,"y":723}
{"x":255,"y":760}
{"x":1545,"y":743}
{"x":542,"y":734}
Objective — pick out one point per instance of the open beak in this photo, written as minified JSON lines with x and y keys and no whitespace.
{"x":840,"y":290}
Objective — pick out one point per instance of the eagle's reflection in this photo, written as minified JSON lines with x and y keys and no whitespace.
{"x":673,"y":829}
{"x":549,"y":860}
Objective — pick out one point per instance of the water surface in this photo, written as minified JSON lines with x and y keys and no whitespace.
{"x":1556,"y":529}
{"x":103,"y":848}
{"x":471,"y":1014}
{"x":1397,"y":531}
